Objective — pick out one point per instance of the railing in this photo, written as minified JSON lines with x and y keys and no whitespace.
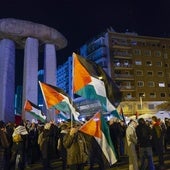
{"x":124,"y":75}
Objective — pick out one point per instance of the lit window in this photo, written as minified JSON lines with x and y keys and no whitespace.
{"x":129,"y":96}
{"x":161,"y":84}
{"x":138,"y":62}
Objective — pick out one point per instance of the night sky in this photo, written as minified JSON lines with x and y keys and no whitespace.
{"x":80,"y":20}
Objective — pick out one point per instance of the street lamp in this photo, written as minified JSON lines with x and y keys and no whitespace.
{"x":141,"y":100}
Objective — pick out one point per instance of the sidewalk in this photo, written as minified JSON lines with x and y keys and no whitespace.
{"x":123,"y":165}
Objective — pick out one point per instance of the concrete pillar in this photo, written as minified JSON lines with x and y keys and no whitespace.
{"x":30,"y":76}
{"x":7,"y":79}
{"x":50,"y":67}
{"x":50,"y":64}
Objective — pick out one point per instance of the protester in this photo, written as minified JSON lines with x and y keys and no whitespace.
{"x":77,"y":153}
{"x":157,"y":140}
{"x":167,"y":134}
{"x":18,"y":147}
{"x":130,"y":145}
{"x":115,"y":133}
{"x":144,"y":136}
{"x":43,"y":141}
{"x":32,"y":149}
{"x":62,"y":150}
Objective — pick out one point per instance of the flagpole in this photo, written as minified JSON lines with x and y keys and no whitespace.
{"x":43,"y":94}
{"x":72,"y":93}
{"x":44,"y":99}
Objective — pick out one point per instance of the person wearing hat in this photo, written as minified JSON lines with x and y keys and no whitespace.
{"x":130,"y":145}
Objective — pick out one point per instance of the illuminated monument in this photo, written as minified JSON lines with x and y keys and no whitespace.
{"x":21,"y":34}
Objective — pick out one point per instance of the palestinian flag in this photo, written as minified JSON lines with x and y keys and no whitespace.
{"x":56,"y":98}
{"x":98,"y":128}
{"x":91,"y":82}
{"x":34,"y":110}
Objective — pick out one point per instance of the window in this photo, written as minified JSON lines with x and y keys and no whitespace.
{"x":138,"y":62}
{"x":157,"y":53}
{"x":140,"y":83}
{"x":152,"y":95}
{"x":166,"y":65}
{"x":129,"y":96}
{"x":165,"y":55}
{"x":150,"y":73}
{"x":141,"y":94}
{"x":137,"y":52}
{"x":151,"y":84}
{"x":148,"y":63}
{"x":160,"y":73}
{"x":151,"y":106}
{"x":126,"y":63}
{"x":161,"y":84}
{"x":159,"y":63}
{"x":139,"y":72}
{"x":147,"y":52}
{"x":162,"y":94}
{"x":139,"y":106}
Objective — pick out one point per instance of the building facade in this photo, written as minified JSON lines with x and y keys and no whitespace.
{"x":138,"y":64}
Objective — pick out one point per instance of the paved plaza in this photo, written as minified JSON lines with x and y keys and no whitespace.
{"x":123,"y":165}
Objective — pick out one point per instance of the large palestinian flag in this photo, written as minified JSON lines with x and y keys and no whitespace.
{"x":56,"y":98}
{"x":98,"y":128}
{"x":34,"y":110}
{"x":91,"y":82}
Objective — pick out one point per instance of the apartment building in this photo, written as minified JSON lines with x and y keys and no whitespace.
{"x":140,"y":66}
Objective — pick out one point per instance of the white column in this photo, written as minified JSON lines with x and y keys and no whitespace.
{"x":7,"y":79}
{"x":50,"y":67}
{"x":30,"y":76}
{"x":50,"y":64}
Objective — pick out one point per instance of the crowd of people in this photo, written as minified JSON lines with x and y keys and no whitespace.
{"x":28,"y":142}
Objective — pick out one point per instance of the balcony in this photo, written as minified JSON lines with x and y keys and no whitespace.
{"x":126,"y":88}
{"x":124,"y":76}
{"x":122,"y":66}
{"x":122,"y":55}
{"x":131,"y":98}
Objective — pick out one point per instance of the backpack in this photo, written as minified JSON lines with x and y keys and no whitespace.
{"x":17,"y":138}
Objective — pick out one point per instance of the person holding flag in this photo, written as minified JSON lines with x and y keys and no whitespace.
{"x":75,"y":144}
